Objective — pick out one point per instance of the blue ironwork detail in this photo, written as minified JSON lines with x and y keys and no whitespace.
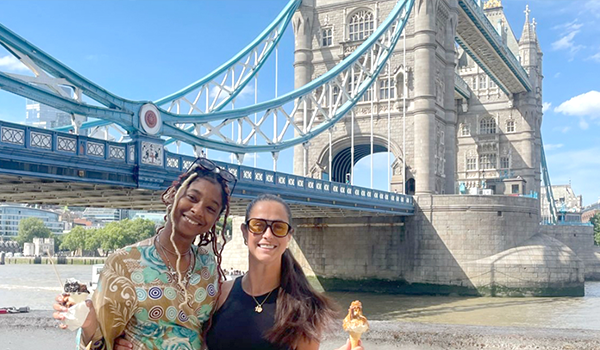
{"x":95,"y":149}
{"x":116,"y":152}
{"x":66,"y":144}
{"x":13,"y":135}
{"x":41,"y":140}
{"x":395,"y":23}
{"x":548,"y":185}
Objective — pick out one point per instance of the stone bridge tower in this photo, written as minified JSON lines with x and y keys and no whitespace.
{"x":499,"y":136}
{"x":326,"y":31}
{"x":492,"y":141}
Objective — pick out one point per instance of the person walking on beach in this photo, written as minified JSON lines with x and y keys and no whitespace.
{"x":158,"y":292}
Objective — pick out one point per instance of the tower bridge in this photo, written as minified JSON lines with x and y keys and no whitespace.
{"x":443,"y":86}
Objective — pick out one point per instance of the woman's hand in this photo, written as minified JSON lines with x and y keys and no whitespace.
{"x":347,"y":346}
{"x":122,"y":344}
{"x":61,"y":306}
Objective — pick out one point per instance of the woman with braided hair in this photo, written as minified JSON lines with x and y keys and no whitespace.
{"x":159,"y":292}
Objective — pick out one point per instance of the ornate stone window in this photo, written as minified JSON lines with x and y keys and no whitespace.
{"x":505,"y":162}
{"x":487,"y":125}
{"x":360,"y":25}
{"x":482,"y":81}
{"x":326,"y":37}
{"x":465,"y":130}
{"x":487,"y":161}
{"x":474,"y":83}
{"x":471,"y":161}
{"x":510,"y":125}
{"x":387,"y":89}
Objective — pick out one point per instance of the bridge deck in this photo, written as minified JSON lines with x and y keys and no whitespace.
{"x":478,"y":37}
{"x":39,"y":166}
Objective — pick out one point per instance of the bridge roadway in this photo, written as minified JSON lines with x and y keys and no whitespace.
{"x":40,"y":166}
{"x":481,"y":41}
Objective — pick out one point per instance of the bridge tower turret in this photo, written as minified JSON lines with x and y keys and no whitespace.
{"x":530,"y":103}
{"x":303,"y":68}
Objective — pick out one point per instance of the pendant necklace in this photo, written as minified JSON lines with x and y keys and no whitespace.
{"x":171,"y":271}
{"x":258,"y":307}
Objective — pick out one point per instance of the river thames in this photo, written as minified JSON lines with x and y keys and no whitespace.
{"x":37,"y":285}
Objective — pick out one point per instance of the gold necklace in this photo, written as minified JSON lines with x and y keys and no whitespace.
{"x":258,"y":307}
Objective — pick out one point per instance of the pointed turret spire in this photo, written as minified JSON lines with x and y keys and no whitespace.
{"x":526,"y":35}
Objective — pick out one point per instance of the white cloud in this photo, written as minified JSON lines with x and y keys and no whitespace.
{"x":11,"y":63}
{"x":579,"y":166}
{"x":557,"y":75}
{"x":546,"y":106}
{"x":550,"y":147}
{"x":595,"y":57}
{"x":562,"y":129}
{"x":584,"y":105}
{"x":566,"y":42}
{"x":593,"y":7}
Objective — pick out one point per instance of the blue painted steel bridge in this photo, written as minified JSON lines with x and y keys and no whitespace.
{"x":62,"y":167}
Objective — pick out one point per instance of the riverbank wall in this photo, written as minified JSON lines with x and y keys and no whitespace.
{"x":37,"y":330}
{"x":60,"y":260}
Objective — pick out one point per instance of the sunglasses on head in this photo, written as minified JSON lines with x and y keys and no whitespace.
{"x":259,"y":226}
{"x":209,"y":165}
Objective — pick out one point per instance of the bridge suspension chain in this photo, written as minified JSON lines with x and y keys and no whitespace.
{"x":307,"y":111}
{"x":548,"y":186}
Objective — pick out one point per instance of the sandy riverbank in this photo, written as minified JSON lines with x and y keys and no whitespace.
{"x":37,"y":330}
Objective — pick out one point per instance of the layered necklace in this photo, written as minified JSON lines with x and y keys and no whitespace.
{"x":170,"y":270}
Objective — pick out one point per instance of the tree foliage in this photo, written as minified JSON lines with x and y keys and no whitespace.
{"x":75,"y":240}
{"x":30,"y":228}
{"x":113,"y":236}
{"x":595,"y":220}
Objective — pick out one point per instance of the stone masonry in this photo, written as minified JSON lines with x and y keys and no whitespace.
{"x":490,"y":144}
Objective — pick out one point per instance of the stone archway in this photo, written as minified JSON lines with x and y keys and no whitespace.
{"x":342,"y":157}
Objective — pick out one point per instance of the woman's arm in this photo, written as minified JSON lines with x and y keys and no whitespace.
{"x":314,"y":345}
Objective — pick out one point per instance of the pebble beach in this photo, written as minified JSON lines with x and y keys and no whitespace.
{"x":38,"y":330}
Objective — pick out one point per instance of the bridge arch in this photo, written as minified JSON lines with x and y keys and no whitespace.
{"x":342,"y":158}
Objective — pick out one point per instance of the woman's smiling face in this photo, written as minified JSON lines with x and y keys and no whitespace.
{"x":198,"y":208}
{"x":267,"y":247}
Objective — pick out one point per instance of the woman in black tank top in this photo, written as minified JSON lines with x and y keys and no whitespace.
{"x":273,"y":305}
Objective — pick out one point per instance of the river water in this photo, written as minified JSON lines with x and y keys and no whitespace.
{"x":37,"y":285}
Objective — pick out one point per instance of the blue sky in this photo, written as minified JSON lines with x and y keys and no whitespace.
{"x":148,"y":49}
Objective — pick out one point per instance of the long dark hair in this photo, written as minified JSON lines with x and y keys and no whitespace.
{"x":302,"y":312}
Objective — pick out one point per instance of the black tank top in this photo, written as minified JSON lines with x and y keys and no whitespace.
{"x":236,"y":325}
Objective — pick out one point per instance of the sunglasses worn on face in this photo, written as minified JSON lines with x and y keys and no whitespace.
{"x":259,"y":226}
{"x":209,"y":165}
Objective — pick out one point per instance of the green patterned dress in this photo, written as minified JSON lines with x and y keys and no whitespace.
{"x":138,"y":296}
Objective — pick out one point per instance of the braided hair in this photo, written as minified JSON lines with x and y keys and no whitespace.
{"x":171,"y":197}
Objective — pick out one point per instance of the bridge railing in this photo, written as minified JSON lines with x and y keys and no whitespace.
{"x":461,"y":86}
{"x":22,"y":136}
{"x":299,"y":184}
